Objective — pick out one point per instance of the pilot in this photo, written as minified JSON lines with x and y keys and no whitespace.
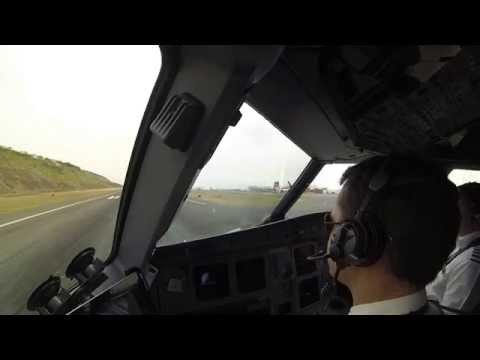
{"x":393,"y":226}
{"x":457,"y":285}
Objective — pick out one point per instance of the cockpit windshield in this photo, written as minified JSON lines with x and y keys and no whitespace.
{"x":251,"y":169}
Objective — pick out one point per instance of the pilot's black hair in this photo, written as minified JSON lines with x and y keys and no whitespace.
{"x":421,"y":218}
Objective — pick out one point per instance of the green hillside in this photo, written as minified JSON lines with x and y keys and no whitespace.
{"x":22,"y":173}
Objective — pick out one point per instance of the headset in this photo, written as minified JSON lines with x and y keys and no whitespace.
{"x":361,"y":241}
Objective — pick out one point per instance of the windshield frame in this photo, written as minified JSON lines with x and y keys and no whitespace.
{"x":170,"y":63}
{"x":153,"y":193}
{"x":302,"y":182}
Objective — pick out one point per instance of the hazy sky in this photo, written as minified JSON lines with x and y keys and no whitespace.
{"x":254,"y":152}
{"x":83,"y":104}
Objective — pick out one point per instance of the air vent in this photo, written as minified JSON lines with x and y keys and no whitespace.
{"x":178,"y":120}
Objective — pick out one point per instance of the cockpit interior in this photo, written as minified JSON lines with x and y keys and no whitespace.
{"x":338,"y":104}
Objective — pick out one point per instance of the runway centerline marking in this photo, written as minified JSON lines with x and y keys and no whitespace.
{"x":50,"y":211}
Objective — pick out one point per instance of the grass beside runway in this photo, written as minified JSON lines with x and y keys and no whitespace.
{"x":236,"y":198}
{"x":312,"y":203}
{"x":10,"y":204}
{"x":308,"y":202}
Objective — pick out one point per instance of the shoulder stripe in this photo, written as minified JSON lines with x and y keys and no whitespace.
{"x":475,"y":261}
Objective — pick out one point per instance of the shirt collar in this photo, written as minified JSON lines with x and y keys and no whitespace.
{"x":468,"y":237}
{"x":397,"y":306}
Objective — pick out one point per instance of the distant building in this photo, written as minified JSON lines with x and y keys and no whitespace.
{"x":320,"y":190}
{"x":276,"y":186}
{"x":281,"y":189}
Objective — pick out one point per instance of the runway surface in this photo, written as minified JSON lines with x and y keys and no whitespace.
{"x":44,"y":242}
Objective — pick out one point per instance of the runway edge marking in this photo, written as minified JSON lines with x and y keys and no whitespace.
{"x":50,"y":211}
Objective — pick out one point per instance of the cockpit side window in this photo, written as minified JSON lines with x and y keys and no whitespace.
{"x":322,"y":193}
{"x":462,"y":176}
{"x":69,"y":118}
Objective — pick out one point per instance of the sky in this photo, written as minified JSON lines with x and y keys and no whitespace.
{"x":84,"y":104}
{"x":255,"y":153}
{"x":81,"y":104}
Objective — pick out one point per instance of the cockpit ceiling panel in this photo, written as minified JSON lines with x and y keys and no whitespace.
{"x":426,"y":118}
{"x":343,"y":103}
{"x":281,"y":99}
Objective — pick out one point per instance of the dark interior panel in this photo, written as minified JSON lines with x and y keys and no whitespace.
{"x":255,"y":271}
{"x":251,"y":275}
{"x":302,"y":265}
{"x":250,"y":306}
{"x":281,"y":264}
{"x":284,"y":308}
{"x":308,"y":292}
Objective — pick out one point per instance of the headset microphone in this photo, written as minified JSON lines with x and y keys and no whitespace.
{"x":321,"y":255}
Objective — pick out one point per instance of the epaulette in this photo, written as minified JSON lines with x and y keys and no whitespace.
{"x":476,"y":255}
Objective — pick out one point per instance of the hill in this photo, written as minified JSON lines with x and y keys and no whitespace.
{"x":22,"y":173}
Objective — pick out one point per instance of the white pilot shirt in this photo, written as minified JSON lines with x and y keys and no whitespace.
{"x":458,"y":284}
{"x":398,"y":306}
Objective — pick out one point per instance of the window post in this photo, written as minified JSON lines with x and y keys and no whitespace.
{"x":303,"y":181}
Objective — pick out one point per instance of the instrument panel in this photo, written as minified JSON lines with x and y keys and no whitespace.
{"x":262,"y":270}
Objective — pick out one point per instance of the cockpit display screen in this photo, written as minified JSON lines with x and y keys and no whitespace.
{"x":211,"y":281}
{"x":251,"y":275}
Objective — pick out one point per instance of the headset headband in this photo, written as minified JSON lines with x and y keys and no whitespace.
{"x":378,"y":181}
{"x":381,"y":178}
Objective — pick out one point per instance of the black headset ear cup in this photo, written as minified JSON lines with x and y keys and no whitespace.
{"x":345,"y":242}
{"x":356,"y":243}
{"x":356,"y":238}
{"x":374,"y":241}
{"x":336,"y":248}
{"x":351,"y":239}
